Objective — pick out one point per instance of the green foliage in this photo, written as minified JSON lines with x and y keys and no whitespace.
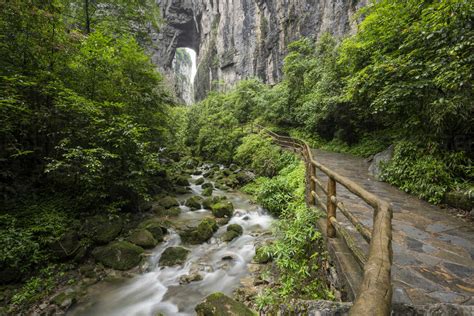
{"x":19,"y":250}
{"x":27,"y":234}
{"x":426,"y":171}
{"x":258,"y":153}
{"x":37,"y":287}
{"x":297,"y":250}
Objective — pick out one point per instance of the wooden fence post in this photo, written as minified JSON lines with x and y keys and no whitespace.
{"x":312,"y":185}
{"x":331,"y":208}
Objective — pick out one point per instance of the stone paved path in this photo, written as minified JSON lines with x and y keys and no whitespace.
{"x":433,"y":251}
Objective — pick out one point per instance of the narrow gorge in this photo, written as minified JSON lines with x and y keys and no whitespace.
{"x":236,"y":40}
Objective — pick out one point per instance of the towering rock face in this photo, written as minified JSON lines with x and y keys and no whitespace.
{"x":183,"y":74}
{"x":238,"y":39}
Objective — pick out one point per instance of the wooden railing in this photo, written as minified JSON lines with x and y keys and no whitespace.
{"x":375,"y":292}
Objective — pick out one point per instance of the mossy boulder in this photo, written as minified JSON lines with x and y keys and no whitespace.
{"x":161,"y":211}
{"x":236,"y":228}
{"x":181,"y":190}
{"x":222,"y":209}
{"x":65,"y":299}
{"x":119,"y":255}
{"x":209,"y":201}
{"x":207,"y":185}
{"x":156,"y":229}
{"x":173,"y":256}
{"x":208,"y":174}
{"x":103,"y":229}
{"x":182,"y":180}
{"x":226,"y":172}
{"x":168,"y":202}
{"x":244,"y":177}
{"x":218,"y":304}
{"x":233,"y":231}
{"x":194,"y":202}
{"x":207,"y":192}
{"x":199,"y":181}
{"x":143,"y":238}
{"x":202,"y":233}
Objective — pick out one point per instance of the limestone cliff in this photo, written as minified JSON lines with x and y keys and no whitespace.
{"x":182,"y":71}
{"x":238,"y":39}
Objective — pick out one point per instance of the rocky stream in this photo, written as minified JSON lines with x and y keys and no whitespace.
{"x":208,"y":247}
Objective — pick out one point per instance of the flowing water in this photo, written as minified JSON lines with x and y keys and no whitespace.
{"x":221,"y":264}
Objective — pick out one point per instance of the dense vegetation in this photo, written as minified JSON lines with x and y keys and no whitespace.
{"x":83,"y":117}
{"x":297,"y":251}
{"x":404,"y":78}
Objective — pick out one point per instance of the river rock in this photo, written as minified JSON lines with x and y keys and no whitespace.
{"x":173,"y":256}
{"x":218,"y":304}
{"x":168,"y":202}
{"x":157,"y":229}
{"x":207,"y":185}
{"x":208,"y":174}
{"x":208,"y":202}
{"x":188,"y":278}
{"x":102,"y":229}
{"x":194,"y":202}
{"x":202,"y":233}
{"x":181,"y":190}
{"x":222,"y":209}
{"x":119,"y":255}
{"x":143,"y":238}
{"x":199,"y":181}
{"x":207,"y":192}
{"x":64,"y":299}
{"x":244,"y":177}
{"x":233,"y":231}
{"x":182,"y":180}
{"x":378,"y":159}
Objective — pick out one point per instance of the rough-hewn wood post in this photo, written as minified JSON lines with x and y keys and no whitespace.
{"x":312,"y":184}
{"x":331,"y":207}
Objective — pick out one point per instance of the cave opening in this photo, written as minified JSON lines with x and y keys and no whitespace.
{"x":184,"y":69}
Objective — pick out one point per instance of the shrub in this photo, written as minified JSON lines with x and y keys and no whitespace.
{"x":258,"y":153}
{"x":425,"y":171}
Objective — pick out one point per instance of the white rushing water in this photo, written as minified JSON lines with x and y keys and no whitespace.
{"x":159,"y":290}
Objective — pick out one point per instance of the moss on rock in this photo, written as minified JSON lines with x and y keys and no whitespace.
{"x":168,"y":202}
{"x":173,"y":256}
{"x":207,"y":185}
{"x":103,"y":229}
{"x":119,"y":255}
{"x":194,"y":202}
{"x":202,"y":233}
{"x":143,"y":238}
{"x":233,"y":231}
{"x":222,"y":209}
{"x":207,"y":192}
{"x":218,"y":304}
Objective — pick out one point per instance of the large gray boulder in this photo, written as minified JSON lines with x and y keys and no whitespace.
{"x":382,"y":157}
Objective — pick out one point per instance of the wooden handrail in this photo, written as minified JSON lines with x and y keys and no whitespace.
{"x":375,"y":293}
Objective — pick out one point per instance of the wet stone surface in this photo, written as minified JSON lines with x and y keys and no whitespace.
{"x":433,"y":251}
